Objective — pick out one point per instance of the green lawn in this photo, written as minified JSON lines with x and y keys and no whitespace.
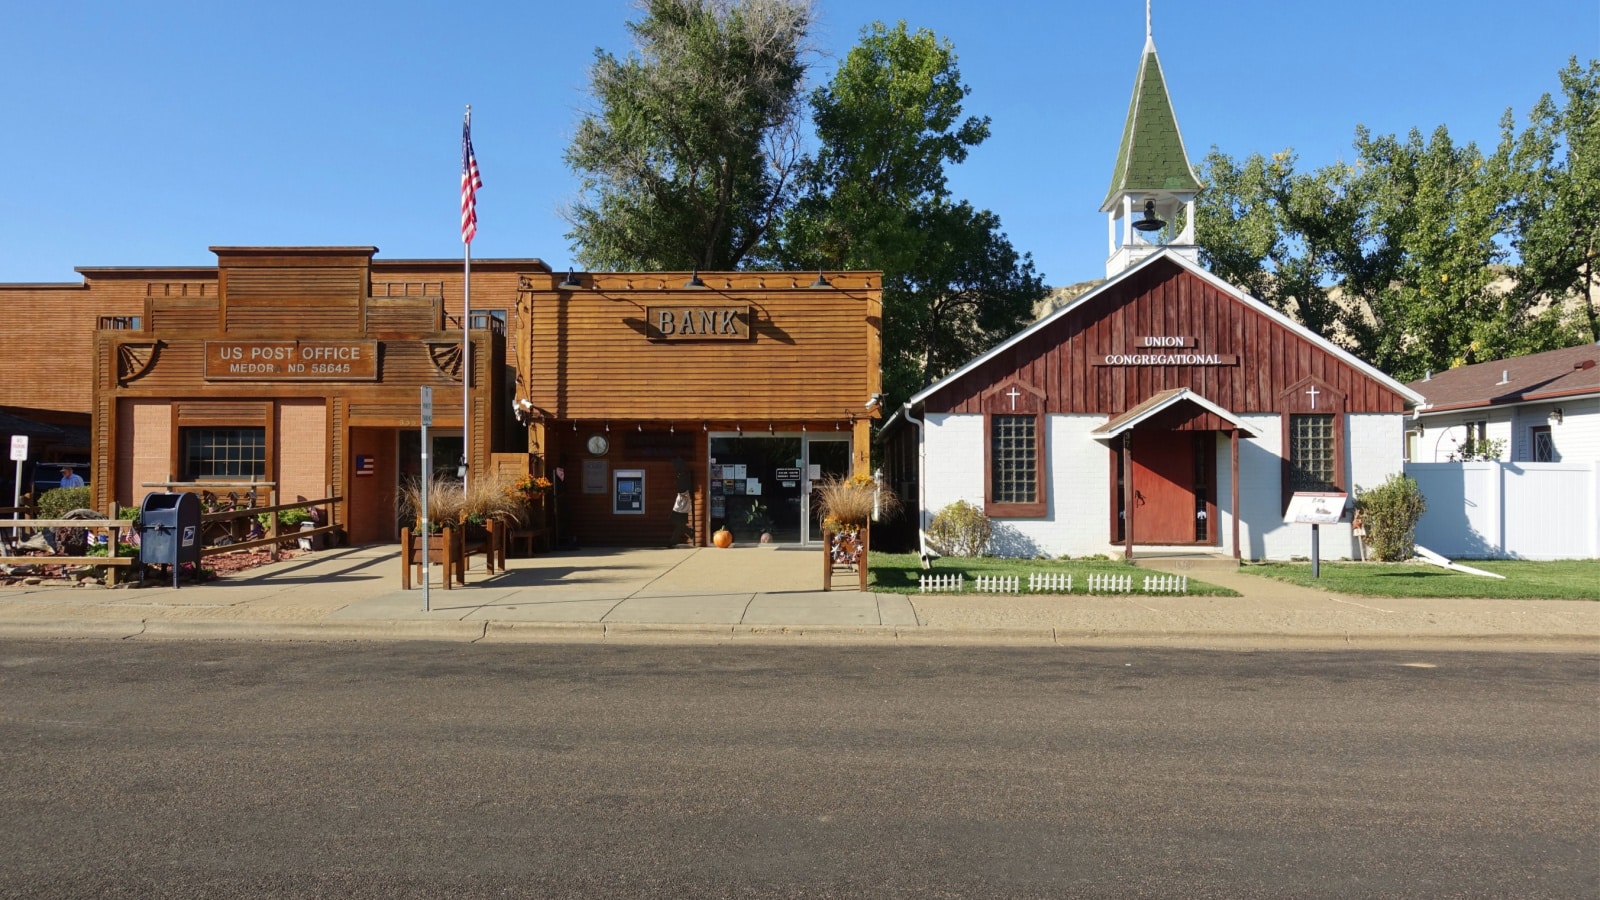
{"x":1560,"y":580}
{"x":898,"y":573}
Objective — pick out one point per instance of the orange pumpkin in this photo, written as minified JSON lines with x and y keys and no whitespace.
{"x":723,"y":538}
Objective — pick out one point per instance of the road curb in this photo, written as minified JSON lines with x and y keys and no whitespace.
{"x":457,"y":631}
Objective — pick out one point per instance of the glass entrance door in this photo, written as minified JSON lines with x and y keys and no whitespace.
{"x":444,"y":457}
{"x":755,"y":487}
{"x":825,"y":457}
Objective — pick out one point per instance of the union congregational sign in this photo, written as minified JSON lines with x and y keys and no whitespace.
{"x":1167,"y":350}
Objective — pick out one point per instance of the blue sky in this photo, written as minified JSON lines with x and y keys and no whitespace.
{"x":144,"y":133}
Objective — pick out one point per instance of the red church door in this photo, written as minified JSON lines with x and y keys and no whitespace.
{"x":1163,"y":488}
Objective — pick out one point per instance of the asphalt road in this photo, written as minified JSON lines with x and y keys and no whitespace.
{"x":432,"y":770}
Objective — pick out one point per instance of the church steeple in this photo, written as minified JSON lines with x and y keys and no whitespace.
{"x":1153,"y":180}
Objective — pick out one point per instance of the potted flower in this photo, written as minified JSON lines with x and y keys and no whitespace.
{"x":846,"y":506}
{"x":532,"y":487}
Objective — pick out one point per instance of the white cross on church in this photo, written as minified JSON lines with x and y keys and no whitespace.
{"x":1313,"y":392}
{"x":1013,"y":394}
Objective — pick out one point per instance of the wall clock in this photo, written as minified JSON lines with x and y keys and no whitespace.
{"x":598,"y":445}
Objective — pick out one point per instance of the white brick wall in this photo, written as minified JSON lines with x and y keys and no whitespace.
{"x":1077,"y":515}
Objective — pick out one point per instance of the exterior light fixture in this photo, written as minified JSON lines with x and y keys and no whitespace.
{"x":1556,"y":415}
{"x":1150,"y":222}
{"x":694,"y":280}
{"x":571,"y":281}
{"x":821,"y":281}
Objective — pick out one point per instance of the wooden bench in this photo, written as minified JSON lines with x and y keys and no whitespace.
{"x":529,"y":541}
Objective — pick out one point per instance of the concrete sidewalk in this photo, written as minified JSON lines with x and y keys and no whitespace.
{"x":757,"y":594}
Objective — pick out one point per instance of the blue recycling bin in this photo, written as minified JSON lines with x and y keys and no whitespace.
{"x":169,"y":533}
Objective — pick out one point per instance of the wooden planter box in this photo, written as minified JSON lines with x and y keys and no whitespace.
{"x":491,"y":543}
{"x":846,"y":551}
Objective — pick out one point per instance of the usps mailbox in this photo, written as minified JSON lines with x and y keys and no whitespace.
{"x":169,"y":533}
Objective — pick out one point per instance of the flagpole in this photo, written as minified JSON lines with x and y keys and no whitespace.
{"x":466,"y":363}
{"x":469,"y":229}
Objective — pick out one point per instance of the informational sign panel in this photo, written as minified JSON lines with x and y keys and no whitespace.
{"x":427,"y":405}
{"x":594,"y":476}
{"x":19,"y":447}
{"x":1315,"y":508}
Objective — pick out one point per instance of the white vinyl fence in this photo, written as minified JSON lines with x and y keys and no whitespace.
{"x":1490,"y":510}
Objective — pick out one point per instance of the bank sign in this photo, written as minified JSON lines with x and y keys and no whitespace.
{"x":699,"y":323}
{"x":291,"y":360}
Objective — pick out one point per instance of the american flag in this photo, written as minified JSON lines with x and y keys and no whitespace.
{"x":470,"y":182}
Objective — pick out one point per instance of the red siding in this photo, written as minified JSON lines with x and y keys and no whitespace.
{"x":1165,"y":299}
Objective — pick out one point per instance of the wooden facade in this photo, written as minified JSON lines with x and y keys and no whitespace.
{"x":321,"y":351}
{"x":770,"y":366}
{"x":1264,"y":365}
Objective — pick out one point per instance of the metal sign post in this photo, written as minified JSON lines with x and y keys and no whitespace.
{"x":426,"y":419}
{"x":1315,"y":508}
{"x":19,"y":452}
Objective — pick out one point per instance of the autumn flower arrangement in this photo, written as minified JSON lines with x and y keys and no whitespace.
{"x":532,"y":487}
{"x":849,"y":502}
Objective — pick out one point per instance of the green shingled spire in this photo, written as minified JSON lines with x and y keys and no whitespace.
{"x":1151,"y":157}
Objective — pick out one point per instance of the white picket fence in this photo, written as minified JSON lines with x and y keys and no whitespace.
{"x":1110,"y":584}
{"x":997,"y":584}
{"x":1051,"y":582}
{"x":941,"y":584}
{"x":1166,"y":584}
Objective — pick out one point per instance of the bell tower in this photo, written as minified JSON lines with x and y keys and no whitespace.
{"x":1151,"y":202}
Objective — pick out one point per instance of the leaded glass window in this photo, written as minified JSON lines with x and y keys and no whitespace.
{"x":1311,"y":453}
{"x":1013,"y":459}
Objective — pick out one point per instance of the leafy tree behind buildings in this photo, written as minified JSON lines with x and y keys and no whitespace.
{"x":875,"y":197}
{"x":692,"y":152}
{"x":1556,"y":211}
{"x":692,"y":159}
{"x":1398,"y":255}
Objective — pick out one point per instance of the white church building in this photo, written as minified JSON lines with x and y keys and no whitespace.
{"x":1163,"y":411}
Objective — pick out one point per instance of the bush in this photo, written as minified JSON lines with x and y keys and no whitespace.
{"x":288,"y":519}
{"x":1390,"y":513}
{"x":960,"y":529}
{"x":57,"y":502}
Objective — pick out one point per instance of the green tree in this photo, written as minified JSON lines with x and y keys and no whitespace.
{"x":1425,"y":271}
{"x":876,"y":197}
{"x":691,"y":154}
{"x":1402,"y":255}
{"x":1556,"y":210}
{"x":1279,"y":234}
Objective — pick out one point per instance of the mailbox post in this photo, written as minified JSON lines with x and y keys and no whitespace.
{"x":169,"y":533}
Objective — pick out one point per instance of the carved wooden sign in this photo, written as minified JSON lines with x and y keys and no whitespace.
{"x":291,"y":360}
{"x":698,"y":323}
{"x":1167,"y":350}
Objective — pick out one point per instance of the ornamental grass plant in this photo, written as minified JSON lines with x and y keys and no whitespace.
{"x":851,"y":501}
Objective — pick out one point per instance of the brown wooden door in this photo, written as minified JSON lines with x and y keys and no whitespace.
{"x":1163,"y":488}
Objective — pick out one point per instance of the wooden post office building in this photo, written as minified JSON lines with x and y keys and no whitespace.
{"x":302,"y":367}
{"x":1163,"y":409}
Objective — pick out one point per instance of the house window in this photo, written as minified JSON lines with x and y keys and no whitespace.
{"x":1313,"y":454}
{"x":220,"y":454}
{"x":1013,"y":460}
{"x":1544,"y":445}
{"x":491,"y":319}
